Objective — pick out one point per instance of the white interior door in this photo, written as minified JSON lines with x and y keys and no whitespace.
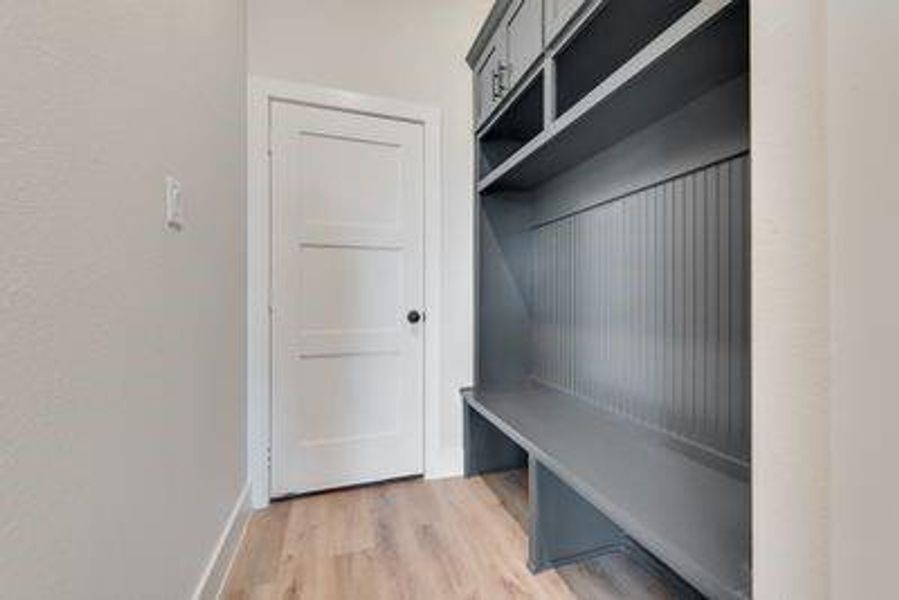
{"x":347,"y":268}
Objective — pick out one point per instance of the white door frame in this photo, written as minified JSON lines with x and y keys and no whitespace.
{"x":261,"y":93}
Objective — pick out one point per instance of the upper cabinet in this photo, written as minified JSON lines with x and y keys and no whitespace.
{"x":488,"y":71}
{"x":508,"y":46}
{"x":560,"y":80}
{"x":523,"y":34}
{"x":556,"y":14}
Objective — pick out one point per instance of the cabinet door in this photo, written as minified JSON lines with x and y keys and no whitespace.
{"x":556,"y":16}
{"x":524,"y":40}
{"x":487,"y":74}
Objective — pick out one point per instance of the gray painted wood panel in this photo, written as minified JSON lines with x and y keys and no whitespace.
{"x":487,"y":449}
{"x":640,"y":307}
{"x":612,"y":304}
{"x":692,"y":515}
{"x":524,"y":38}
{"x":703,"y":50}
{"x":556,"y":15}
{"x":504,"y":260}
{"x":486,"y":80}
{"x":614,"y":34}
{"x":487,"y":31}
{"x":711,"y":128}
{"x":563,"y":527}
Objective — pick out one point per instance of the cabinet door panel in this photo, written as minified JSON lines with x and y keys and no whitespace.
{"x":486,"y":73}
{"x":524,"y":38}
{"x":557,"y":14}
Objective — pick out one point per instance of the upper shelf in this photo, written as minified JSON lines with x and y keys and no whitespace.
{"x":706,"y":47}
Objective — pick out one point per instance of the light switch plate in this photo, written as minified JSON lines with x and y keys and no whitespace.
{"x":174,"y":208}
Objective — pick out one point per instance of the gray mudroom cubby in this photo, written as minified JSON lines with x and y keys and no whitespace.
{"x":612,"y":280}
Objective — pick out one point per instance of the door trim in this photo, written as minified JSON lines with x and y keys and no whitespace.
{"x":261,"y":93}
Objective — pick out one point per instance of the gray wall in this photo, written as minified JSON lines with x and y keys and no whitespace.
{"x":790,"y":308}
{"x":862,"y":96}
{"x":121,"y":344}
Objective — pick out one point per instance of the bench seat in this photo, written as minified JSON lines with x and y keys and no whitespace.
{"x":690,"y":514}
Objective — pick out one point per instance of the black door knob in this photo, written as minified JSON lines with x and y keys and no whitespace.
{"x":413,"y":317}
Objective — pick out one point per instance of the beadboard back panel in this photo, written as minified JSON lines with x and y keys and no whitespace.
{"x":640,"y":306}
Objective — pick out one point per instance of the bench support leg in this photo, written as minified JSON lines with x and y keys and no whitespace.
{"x":565,"y":528}
{"x":487,"y":449}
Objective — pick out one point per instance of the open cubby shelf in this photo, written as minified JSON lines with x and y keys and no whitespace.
{"x":520,"y":123}
{"x":705,"y":48}
{"x":612,"y":36}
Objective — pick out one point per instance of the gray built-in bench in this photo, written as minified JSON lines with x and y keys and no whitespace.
{"x":612,"y":334}
{"x":692,"y":516}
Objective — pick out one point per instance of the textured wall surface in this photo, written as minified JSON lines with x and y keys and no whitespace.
{"x":411,"y":50}
{"x":121,"y":370}
{"x":790,"y":308}
{"x":862,"y":96}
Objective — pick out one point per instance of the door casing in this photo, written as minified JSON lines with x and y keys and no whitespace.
{"x":261,"y":93}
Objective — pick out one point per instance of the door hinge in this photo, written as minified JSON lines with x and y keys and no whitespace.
{"x":268,"y":457}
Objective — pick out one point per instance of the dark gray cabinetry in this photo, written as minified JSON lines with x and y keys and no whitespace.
{"x":522,"y":29}
{"x":557,"y":14}
{"x":505,"y":52}
{"x":487,"y":78}
{"x":612,"y":279}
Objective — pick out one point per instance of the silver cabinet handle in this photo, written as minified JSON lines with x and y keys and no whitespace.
{"x":502,"y":74}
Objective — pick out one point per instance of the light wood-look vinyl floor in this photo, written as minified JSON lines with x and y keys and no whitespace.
{"x":428,"y":540}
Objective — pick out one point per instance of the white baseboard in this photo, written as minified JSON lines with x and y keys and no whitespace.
{"x":216,"y":572}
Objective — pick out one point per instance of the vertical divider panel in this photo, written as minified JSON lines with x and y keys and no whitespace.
{"x":564,"y":528}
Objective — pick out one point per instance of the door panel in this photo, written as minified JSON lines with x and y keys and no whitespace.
{"x":557,"y":14}
{"x":487,"y":72}
{"x":524,"y":38}
{"x":347,"y":265}
{"x":332,"y":279}
{"x":356,"y":405}
{"x":379,"y":162}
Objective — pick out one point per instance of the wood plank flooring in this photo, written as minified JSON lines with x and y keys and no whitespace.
{"x":455,"y":538}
